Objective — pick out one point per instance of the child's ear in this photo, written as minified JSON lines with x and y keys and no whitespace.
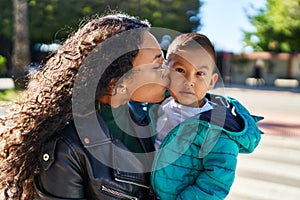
{"x":213,"y":81}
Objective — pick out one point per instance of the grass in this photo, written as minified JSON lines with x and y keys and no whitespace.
{"x":9,"y":95}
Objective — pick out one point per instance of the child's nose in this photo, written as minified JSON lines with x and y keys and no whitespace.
{"x":189,"y":80}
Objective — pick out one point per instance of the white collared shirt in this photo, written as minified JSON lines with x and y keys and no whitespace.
{"x":171,"y":113}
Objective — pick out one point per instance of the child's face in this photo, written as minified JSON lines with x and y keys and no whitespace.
{"x":192,"y":75}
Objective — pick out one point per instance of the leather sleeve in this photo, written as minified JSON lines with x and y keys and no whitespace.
{"x":61,"y":174}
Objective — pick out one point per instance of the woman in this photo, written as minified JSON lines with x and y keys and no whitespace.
{"x":51,"y":149}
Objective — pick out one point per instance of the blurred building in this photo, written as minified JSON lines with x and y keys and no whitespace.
{"x":260,"y":68}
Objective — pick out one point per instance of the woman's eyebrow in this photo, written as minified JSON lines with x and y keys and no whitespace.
{"x":157,"y":56}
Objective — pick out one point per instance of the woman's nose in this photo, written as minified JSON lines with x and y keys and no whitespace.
{"x":165,"y":71}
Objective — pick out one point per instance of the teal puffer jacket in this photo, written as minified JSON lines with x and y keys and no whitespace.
{"x":197,"y":160}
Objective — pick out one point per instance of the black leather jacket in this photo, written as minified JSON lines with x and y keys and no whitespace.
{"x":72,"y":166}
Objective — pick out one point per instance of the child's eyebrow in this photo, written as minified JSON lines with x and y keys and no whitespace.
{"x":177,"y":63}
{"x":200,"y":67}
{"x":203,"y":67}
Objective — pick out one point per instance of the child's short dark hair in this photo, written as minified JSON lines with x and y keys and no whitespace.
{"x":188,"y":40}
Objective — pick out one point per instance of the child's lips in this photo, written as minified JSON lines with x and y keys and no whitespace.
{"x":187,"y":93}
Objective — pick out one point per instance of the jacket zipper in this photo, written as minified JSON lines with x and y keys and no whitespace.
{"x":116,"y":193}
{"x":133,"y":183}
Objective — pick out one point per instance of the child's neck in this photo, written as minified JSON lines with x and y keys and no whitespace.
{"x":198,"y":104}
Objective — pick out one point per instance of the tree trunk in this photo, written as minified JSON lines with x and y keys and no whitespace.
{"x":21,"y":51}
{"x":289,"y":72}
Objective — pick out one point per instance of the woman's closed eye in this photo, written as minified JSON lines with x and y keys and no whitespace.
{"x":158,"y":67}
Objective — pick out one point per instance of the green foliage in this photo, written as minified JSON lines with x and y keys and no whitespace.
{"x":277,"y":27}
{"x":9,"y":95}
{"x":6,"y":30}
{"x":3,"y":69}
{"x":51,"y":20}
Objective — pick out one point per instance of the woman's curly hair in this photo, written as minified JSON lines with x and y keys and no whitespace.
{"x":46,"y":104}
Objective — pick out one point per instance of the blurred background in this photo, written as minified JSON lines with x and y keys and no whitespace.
{"x":258,"y":56}
{"x":257,"y":41}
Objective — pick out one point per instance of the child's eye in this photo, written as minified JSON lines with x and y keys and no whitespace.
{"x":201,"y":73}
{"x":180,"y":70}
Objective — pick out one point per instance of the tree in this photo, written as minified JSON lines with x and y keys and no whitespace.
{"x":53,"y":20}
{"x":277,"y":27}
{"x":21,"y":53}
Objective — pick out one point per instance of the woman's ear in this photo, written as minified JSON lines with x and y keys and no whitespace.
{"x":122,"y":89}
{"x":112,"y":84}
{"x":213,"y":81}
